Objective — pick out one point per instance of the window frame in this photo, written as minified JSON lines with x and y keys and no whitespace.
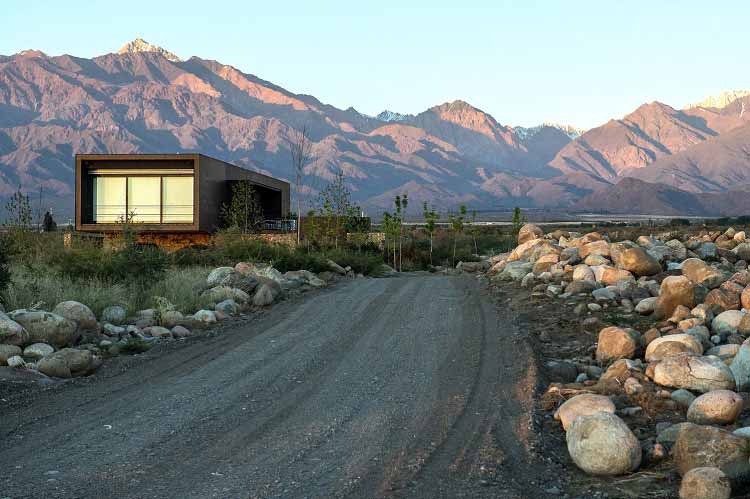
{"x":160,"y":174}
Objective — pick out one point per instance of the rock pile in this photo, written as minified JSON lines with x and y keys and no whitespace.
{"x":688,"y":300}
{"x":70,"y":341}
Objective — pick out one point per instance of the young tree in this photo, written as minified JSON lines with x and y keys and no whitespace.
{"x":243,"y":211}
{"x":457,"y":224}
{"x":518,"y":220}
{"x":430,"y":218}
{"x":300,"y":150}
{"x":18,"y":209}
{"x":402,"y":203}
{"x":474,"y":229}
{"x":335,"y":204}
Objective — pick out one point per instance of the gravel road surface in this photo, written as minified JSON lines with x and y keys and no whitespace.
{"x":413,"y":386}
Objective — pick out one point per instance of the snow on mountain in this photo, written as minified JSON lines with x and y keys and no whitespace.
{"x":527,"y":132}
{"x":391,"y":116}
{"x":722,"y":100}
{"x":141,"y":45}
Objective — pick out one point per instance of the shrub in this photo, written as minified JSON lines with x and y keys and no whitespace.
{"x":45,"y":288}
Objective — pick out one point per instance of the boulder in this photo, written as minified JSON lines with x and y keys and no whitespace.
{"x":263,"y":296}
{"x":740,"y":367}
{"x":8,"y":351}
{"x":529,"y":232}
{"x":37,"y":351}
{"x":594,"y":260}
{"x":674,"y":291}
{"x":639,"y":262}
{"x":256,"y":271}
{"x":699,"y":272}
{"x":78,"y":313}
{"x":157,"y":332}
{"x":705,"y":483}
{"x":228,"y":307}
{"x":68,"y":363}
{"x":742,"y":251}
{"x":335,"y":267}
{"x":726,"y":353}
{"x":594,"y":248}
{"x":578,"y":287}
{"x":707,"y":250}
{"x":745,"y":298}
{"x":217,"y":275}
{"x":582,"y":405}
{"x":698,"y":446}
{"x":11,"y":332}
{"x":583,"y":272}
{"x":723,"y":299}
{"x":46,"y":327}
{"x":609,"y":275}
{"x":237,"y":280}
{"x":727,"y":322}
{"x":16,"y":361}
{"x":523,"y":251}
{"x":602,"y":444}
{"x":516,"y":270}
{"x":180,"y":332}
{"x":672,"y":344}
{"x":205,"y":316}
{"x":170,"y":318}
{"x":616,"y":343}
{"x":683,"y":397}
{"x":114,"y":315}
{"x":647,"y":305}
{"x":695,"y":373}
{"x":715,"y":407}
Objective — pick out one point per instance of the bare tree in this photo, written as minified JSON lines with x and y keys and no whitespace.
{"x":300,"y":149}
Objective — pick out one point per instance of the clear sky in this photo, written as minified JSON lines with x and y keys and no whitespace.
{"x":578,"y":62}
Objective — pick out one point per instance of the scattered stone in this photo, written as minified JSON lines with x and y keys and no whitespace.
{"x":16,"y":361}
{"x":616,"y":343}
{"x":705,"y":483}
{"x":695,"y":373}
{"x":37,"y":351}
{"x":674,"y":291}
{"x":229,"y":307}
{"x":216,"y":276}
{"x":205,"y":316}
{"x":46,"y":327}
{"x":68,"y":363}
{"x":8,"y":351}
{"x":672,"y":344}
{"x":180,"y":332}
{"x":699,"y":446}
{"x":699,"y":272}
{"x":602,"y":444}
{"x":715,"y":407}
{"x":647,"y":305}
{"x":529,"y":232}
{"x":727,"y":322}
{"x":78,"y":313}
{"x":114,"y":315}
{"x":582,"y":405}
{"x":639,"y":262}
{"x":11,"y":332}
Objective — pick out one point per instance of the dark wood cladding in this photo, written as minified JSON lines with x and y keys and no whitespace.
{"x":212,"y":187}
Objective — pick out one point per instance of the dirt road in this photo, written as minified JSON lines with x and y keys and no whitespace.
{"x":415,"y":386}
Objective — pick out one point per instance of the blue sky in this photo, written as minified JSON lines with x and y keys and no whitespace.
{"x":576,"y":62}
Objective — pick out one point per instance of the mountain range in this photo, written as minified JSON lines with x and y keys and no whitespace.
{"x":146,"y":99}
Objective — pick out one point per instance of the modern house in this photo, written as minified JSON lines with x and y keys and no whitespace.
{"x":166,"y":193}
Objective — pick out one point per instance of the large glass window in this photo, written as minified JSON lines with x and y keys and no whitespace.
{"x":109,"y":200}
{"x":144,"y":203}
{"x":177,"y":199}
{"x":148,"y":199}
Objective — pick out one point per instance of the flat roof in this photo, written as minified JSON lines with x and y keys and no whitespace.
{"x":166,"y":157}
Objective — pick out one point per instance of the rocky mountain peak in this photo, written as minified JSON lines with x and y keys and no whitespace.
{"x":141,"y":45}
{"x":722,"y":100}
{"x":392,"y":116}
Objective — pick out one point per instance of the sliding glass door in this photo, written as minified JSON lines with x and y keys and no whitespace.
{"x":148,"y":199}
